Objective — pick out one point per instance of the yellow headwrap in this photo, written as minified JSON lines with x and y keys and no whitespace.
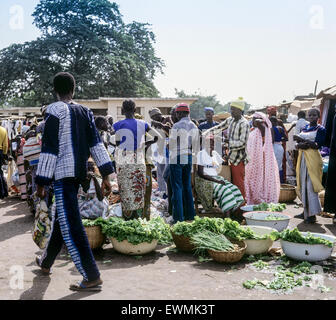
{"x":239,"y":104}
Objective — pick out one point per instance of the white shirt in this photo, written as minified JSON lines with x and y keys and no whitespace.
{"x":300,"y":124}
{"x":183,"y":139}
{"x":212,"y":165}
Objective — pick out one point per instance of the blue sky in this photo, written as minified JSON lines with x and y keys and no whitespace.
{"x":264,"y":51}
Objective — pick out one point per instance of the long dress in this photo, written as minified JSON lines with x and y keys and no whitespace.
{"x":310,"y":180}
{"x":262,"y":182}
{"x":330,"y":196}
{"x":131,"y":166}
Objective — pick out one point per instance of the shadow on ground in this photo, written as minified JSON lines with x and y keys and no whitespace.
{"x":39,"y":288}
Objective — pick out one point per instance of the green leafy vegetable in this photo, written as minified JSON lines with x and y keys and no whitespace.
{"x":134,"y":231}
{"x":260,"y":265}
{"x":273,"y":207}
{"x":296,"y":236}
{"x":207,"y":240}
{"x":275,"y":218}
{"x":229,"y":228}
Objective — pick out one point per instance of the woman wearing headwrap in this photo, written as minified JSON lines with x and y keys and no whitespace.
{"x":262,"y":182}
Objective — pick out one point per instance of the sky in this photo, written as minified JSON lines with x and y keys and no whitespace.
{"x":264,"y":51}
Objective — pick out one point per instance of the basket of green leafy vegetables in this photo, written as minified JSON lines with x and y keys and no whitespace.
{"x":183,"y":231}
{"x":136,"y":237}
{"x":218,"y":247}
{"x":306,"y":246}
{"x":93,"y":229}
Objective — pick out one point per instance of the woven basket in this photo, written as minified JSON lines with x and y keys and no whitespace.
{"x":95,"y":237}
{"x":229,"y":257}
{"x":183,"y":243}
{"x":287,"y":193}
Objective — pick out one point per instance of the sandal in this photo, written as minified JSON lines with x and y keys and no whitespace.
{"x":45,"y":271}
{"x":80,"y":286}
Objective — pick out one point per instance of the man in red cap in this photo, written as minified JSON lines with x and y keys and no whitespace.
{"x":184,"y":135}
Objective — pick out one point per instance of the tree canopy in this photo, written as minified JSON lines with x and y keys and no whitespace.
{"x":89,"y":39}
{"x":197,"y":108}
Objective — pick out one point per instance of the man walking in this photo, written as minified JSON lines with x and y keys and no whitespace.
{"x":70,"y":136}
{"x":238,"y":132}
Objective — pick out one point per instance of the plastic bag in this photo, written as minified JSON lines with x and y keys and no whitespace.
{"x":15,"y":178}
{"x":42,"y":225}
{"x":114,"y":211}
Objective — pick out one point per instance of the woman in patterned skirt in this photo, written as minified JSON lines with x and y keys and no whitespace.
{"x":130,"y":161}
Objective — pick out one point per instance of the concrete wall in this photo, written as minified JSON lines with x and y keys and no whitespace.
{"x":111,"y":106}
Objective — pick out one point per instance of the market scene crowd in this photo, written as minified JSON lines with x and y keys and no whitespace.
{"x":85,"y":167}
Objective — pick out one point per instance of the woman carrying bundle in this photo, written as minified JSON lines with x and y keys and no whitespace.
{"x":309,"y":167}
{"x":262,"y":182}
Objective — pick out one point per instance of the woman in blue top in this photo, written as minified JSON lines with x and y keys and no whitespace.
{"x":309,"y":167}
{"x":130,"y":160}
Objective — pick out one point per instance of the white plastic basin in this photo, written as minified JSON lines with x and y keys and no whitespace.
{"x":308,"y":252}
{"x":247,"y":208}
{"x":127,"y":248}
{"x":258,"y":218}
{"x":259,"y":246}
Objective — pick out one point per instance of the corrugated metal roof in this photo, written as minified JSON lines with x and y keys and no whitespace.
{"x":328,"y":93}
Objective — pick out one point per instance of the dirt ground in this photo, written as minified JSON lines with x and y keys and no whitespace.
{"x":161,"y":275}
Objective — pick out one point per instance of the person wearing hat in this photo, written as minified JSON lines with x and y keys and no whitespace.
{"x":237,"y":136}
{"x":209,"y":123}
{"x":184,"y":135}
{"x":159,"y":121}
{"x":164,"y":123}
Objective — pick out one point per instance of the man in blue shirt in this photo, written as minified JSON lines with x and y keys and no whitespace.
{"x":209,"y":113}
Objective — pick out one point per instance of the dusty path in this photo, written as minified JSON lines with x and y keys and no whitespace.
{"x":160,"y":275}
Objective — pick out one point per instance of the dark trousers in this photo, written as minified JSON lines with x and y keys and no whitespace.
{"x":182,"y":197}
{"x":67,"y":227}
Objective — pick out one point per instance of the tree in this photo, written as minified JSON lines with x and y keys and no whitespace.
{"x":89,"y":39}
{"x":197,"y":108}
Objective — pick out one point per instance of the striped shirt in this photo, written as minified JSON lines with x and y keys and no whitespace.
{"x":238,"y":132}
{"x":69,"y":137}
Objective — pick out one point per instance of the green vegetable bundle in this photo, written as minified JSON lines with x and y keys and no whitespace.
{"x":296,"y":236}
{"x":207,"y":240}
{"x":273,"y":207}
{"x":227,"y":227}
{"x":187,"y":229}
{"x":93,"y":223}
{"x":134,"y":231}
